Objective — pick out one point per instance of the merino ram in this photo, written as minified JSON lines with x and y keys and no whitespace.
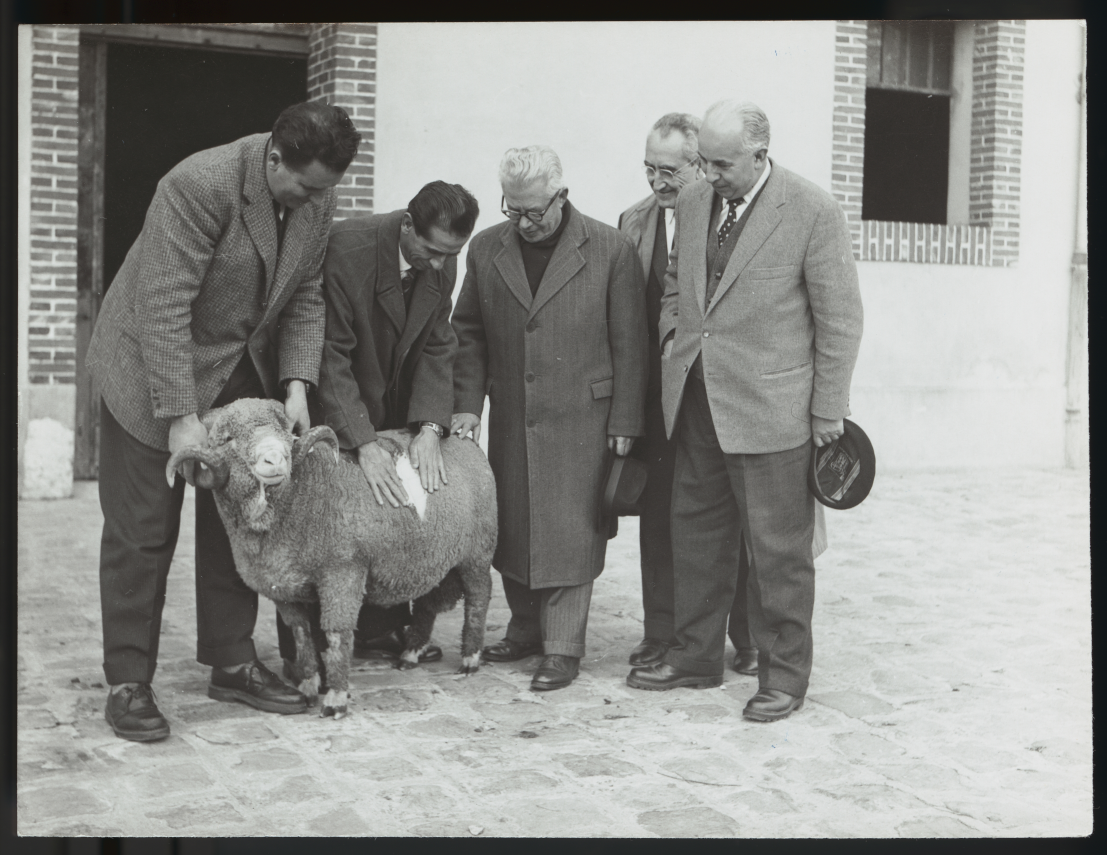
{"x":307,"y":533}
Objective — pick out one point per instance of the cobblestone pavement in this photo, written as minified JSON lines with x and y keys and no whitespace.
{"x":951,"y":696}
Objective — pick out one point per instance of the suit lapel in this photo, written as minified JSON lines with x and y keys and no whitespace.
{"x":423,"y":303}
{"x":509,"y":261}
{"x":764,"y":218}
{"x":388,"y":291}
{"x":296,"y":231}
{"x":693,"y":248}
{"x":566,"y":262}
{"x":258,"y":212}
{"x":646,"y":227}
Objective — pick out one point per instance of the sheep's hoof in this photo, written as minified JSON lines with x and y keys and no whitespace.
{"x":335,"y":712}
{"x":469,"y":664}
{"x":309,"y":688}
{"x":407,"y":664}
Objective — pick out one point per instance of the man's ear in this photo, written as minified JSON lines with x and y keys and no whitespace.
{"x":274,"y":159}
{"x":406,"y":223}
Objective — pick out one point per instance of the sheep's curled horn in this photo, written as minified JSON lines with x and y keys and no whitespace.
{"x":217,"y":472}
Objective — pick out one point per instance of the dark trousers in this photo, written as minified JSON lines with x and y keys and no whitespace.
{"x":558,"y":617}
{"x":718,"y":499}
{"x":142,"y":517}
{"x":655,"y":540}
{"x":372,"y":622}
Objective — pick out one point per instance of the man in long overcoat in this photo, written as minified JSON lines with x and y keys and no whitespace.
{"x":388,"y":356}
{"x":551,"y":326}
{"x":218,"y":299}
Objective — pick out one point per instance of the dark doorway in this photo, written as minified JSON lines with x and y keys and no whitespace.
{"x":165,"y":103}
{"x":143,"y":109}
{"x":906,"y":157}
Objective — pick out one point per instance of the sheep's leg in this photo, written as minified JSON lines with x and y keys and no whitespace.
{"x":476,"y":580}
{"x":337,"y":660}
{"x":340,"y":597}
{"x":441,"y":598}
{"x":298,"y":618}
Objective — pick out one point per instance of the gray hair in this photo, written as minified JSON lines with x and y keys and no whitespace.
{"x":522,"y":166}
{"x":755,"y":124}
{"x":683,"y":123}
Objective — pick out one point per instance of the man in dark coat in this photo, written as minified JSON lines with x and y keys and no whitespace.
{"x":670,"y":162}
{"x":551,"y":326}
{"x":387,"y":361}
{"x":218,"y":299}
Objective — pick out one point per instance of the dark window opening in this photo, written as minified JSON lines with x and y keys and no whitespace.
{"x":906,"y":157}
{"x":907,"y":107}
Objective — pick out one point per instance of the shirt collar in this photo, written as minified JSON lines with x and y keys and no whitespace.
{"x":404,"y":265}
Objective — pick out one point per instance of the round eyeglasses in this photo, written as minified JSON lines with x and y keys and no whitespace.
{"x":534,"y":216}
{"x":664,"y":173}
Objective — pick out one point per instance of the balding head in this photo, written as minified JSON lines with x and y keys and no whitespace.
{"x":733,"y":146}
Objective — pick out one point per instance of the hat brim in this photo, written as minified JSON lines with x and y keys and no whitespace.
{"x":842,"y":473}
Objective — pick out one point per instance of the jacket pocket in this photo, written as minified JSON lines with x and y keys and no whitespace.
{"x":772,"y":272}
{"x":603,"y":388}
{"x":773,"y":375}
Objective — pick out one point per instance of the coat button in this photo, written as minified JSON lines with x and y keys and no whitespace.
{"x":685,"y":367}
{"x":707,"y":335}
{"x":530,"y":377}
{"x":532,"y":326}
{"x":531,"y":422}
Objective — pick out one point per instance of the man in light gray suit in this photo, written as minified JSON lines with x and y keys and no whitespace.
{"x":670,"y":163}
{"x":760,"y":328}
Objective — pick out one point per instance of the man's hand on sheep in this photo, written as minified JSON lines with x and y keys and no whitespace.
{"x":621,"y":444}
{"x":186,"y":431}
{"x":463,"y":423}
{"x":380,"y":471}
{"x":296,"y":407}
{"x":426,"y":458}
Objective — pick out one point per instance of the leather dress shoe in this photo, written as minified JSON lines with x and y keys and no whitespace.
{"x":661,"y":676}
{"x":648,"y":651}
{"x":745,"y":661}
{"x":133,"y":714}
{"x":555,"y":672}
{"x":507,"y":650}
{"x":256,"y":685}
{"x":390,"y":647}
{"x":772,"y":705}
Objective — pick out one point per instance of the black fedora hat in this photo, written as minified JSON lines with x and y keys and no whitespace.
{"x":623,"y":482}
{"x":842,"y":472}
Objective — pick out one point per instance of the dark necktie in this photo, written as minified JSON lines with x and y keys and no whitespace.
{"x":731,"y":219}
{"x":280,"y":223}
{"x":407,"y":286}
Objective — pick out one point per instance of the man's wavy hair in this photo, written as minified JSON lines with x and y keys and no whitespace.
{"x":450,"y":207}
{"x":313,"y":130}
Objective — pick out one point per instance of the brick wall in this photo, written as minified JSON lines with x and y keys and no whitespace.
{"x":53,"y":305}
{"x":999,"y":49}
{"x":992,"y":235}
{"x":342,"y":70}
{"x":848,"y":157}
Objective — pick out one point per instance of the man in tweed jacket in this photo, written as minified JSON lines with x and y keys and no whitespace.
{"x":760,"y":329}
{"x":218,"y":299}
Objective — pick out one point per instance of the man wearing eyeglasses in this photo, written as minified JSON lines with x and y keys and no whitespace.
{"x":551,"y":325}
{"x":760,"y":329}
{"x":671,"y":162}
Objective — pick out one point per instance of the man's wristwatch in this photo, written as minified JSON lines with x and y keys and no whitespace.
{"x":437,"y":428}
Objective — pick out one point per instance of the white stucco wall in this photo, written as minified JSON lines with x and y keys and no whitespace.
{"x":960,"y":366}
{"x":965,"y":366}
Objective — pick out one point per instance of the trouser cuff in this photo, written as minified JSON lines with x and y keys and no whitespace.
{"x":795,"y":688}
{"x":657,"y":629}
{"x":694,"y":666}
{"x":134,"y":671}
{"x":563,"y":648}
{"x":233,"y":654}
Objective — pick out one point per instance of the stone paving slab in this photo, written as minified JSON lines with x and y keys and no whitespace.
{"x":951,"y":697}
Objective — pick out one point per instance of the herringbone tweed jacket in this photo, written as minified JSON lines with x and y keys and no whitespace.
{"x":203,"y":283}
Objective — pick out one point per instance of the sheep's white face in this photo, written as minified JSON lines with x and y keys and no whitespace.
{"x":254,"y":438}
